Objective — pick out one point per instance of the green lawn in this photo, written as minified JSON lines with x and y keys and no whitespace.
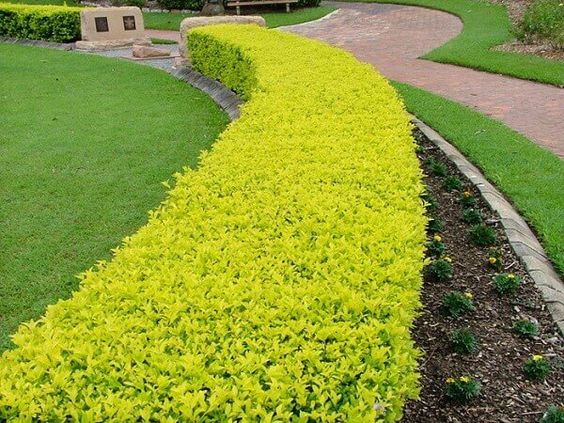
{"x":530,"y":176}
{"x":85,"y":144}
{"x":171,"y":21}
{"x":485,"y":26}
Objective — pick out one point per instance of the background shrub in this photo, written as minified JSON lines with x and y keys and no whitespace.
{"x":138,"y":3}
{"x":544,"y":19}
{"x":49,"y":23}
{"x":308,"y":3}
{"x":181,"y":4}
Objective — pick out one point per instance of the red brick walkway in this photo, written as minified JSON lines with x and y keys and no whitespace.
{"x":392,"y":37}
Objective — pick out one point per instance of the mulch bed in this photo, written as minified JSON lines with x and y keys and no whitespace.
{"x":506,"y":395}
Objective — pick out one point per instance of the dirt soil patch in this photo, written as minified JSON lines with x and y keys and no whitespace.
{"x":506,"y":394}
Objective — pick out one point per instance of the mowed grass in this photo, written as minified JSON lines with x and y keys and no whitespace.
{"x":530,"y":176}
{"x":171,"y":21}
{"x":85,"y":145}
{"x":486,"y":25}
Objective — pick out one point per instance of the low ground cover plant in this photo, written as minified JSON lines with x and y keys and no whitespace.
{"x":278,"y":280}
{"x":462,"y":389}
{"x":441,"y":269}
{"x":463,"y":341}
{"x":536,"y":368}
{"x":456,"y":303}
{"x":50,"y":23}
{"x":554,"y":414}
{"x":525,"y":328}
{"x":507,"y":283}
{"x":482,"y":235}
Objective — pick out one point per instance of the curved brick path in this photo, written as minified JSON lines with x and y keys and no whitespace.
{"x":392,"y":38}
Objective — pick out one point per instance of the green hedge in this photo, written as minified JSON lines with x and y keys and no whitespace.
{"x":278,"y":282}
{"x":50,"y":23}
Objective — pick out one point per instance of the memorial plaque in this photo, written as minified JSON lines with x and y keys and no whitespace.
{"x":108,"y":27}
{"x":101,"y":24}
{"x":129,"y":23}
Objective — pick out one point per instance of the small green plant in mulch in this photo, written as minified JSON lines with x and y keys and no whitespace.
{"x":429,"y":200}
{"x":525,"y":328}
{"x":436,"y":247}
{"x":467,"y":199}
{"x":435,"y":225}
{"x":452,"y":183}
{"x":456,"y":304}
{"x":553,"y":414}
{"x":482,"y":235}
{"x":436,"y":168}
{"x":441,"y":269}
{"x":472,"y":216}
{"x":462,"y":389}
{"x":463,"y":341}
{"x":495,"y":258}
{"x":507,"y":283}
{"x":419,"y":149}
{"x":544,"y":20}
{"x":536,"y":368}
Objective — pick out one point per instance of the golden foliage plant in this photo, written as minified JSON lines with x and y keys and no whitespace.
{"x":278,"y":282}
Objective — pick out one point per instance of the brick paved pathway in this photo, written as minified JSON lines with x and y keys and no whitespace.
{"x":392,"y":38}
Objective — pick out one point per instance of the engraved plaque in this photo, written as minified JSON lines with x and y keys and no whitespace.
{"x":129,"y":23}
{"x":101,"y":24}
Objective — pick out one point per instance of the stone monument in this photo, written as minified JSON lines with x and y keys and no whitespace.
{"x":110,"y":27}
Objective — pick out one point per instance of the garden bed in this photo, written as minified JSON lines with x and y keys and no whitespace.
{"x":497,"y":362}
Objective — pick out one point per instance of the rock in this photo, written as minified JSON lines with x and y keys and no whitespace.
{"x":190,"y":23}
{"x":142,"y":51}
{"x":212,"y":9}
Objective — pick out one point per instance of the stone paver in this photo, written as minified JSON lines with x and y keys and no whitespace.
{"x":392,"y":37}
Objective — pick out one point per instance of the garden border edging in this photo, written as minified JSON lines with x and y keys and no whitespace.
{"x":225,"y":98}
{"x":520,"y":236}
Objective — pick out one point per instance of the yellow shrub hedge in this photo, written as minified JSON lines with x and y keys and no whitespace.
{"x":37,"y":22}
{"x":277,"y":282}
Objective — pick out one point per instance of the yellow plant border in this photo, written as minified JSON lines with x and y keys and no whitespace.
{"x":279,"y":280}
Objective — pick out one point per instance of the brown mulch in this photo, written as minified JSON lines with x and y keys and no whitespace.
{"x":506,"y":396}
{"x":516,"y":10}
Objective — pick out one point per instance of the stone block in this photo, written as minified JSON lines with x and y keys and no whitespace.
{"x":142,"y":51}
{"x":197,"y":21}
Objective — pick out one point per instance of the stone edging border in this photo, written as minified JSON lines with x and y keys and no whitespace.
{"x":220,"y":94}
{"x":522,"y":239}
{"x":38,"y":43}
